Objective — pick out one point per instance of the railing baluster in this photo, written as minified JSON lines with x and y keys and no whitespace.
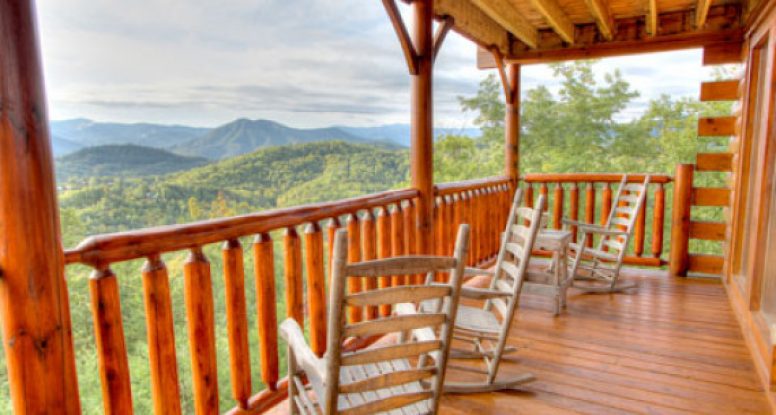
{"x":410,"y":244}
{"x":574,"y":207}
{"x":369,"y":244}
{"x":384,"y":250}
{"x":640,"y":227}
{"x":590,"y":207}
{"x":316,"y":287}
{"x":466,"y":216}
{"x":109,"y":336}
{"x":476,"y":228}
{"x":557,"y":206}
{"x":439,"y":226}
{"x":292,"y":267}
{"x":543,"y":191}
{"x":397,"y":240}
{"x":198,"y":290}
{"x":529,"y":195}
{"x":264,"y":270}
{"x":237,"y":321}
{"x":331,"y":229}
{"x":165,"y":391}
{"x":354,"y":255}
{"x":449,"y":229}
{"x":658,"y":220}
{"x":606,"y":206}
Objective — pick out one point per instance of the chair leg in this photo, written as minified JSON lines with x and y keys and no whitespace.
{"x":485,"y":387}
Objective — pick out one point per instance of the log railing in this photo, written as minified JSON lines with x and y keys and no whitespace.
{"x":597,"y":191}
{"x":379,"y":225}
{"x":483,"y":204}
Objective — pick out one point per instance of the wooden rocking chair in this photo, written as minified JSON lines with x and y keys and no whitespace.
{"x":486,"y":328}
{"x":600,"y":266}
{"x":379,"y":379}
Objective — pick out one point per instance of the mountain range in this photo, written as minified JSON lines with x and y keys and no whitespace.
{"x":238,"y":137}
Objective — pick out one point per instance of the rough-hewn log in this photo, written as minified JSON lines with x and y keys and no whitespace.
{"x":264,"y":271}
{"x":316,"y":287}
{"x":237,"y":321}
{"x":34,"y":309}
{"x":162,"y":359}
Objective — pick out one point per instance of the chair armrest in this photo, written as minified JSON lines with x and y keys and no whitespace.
{"x":482,"y":293}
{"x":570,"y":222}
{"x":602,"y":231}
{"x":303,"y":355}
{"x":472,"y":272}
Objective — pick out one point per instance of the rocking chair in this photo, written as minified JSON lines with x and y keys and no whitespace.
{"x":379,"y":379}
{"x":600,"y":266}
{"x":486,"y":328}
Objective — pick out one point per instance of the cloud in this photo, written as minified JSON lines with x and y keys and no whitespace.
{"x":305,"y":62}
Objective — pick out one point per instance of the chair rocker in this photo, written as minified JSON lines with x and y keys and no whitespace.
{"x":596,"y":270}
{"x":403,"y":378}
{"x":486,"y":328}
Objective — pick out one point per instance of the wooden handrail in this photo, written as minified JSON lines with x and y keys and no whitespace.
{"x":592,"y":177}
{"x":122,"y":246}
{"x":443,"y":189}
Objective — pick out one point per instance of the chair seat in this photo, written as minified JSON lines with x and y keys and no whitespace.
{"x":477,"y":319}
{"x":350,"y":374}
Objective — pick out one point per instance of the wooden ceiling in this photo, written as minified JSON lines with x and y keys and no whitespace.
{"x":534,"y":31}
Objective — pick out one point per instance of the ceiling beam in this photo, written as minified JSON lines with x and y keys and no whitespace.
{"x":503,"y":12}
{"x":603,"y":17}
{"x":556,"y":17}
{"x":651,"y":17}
{"x":472,"y":23}
{"x":701,"y":12}
{"x":677,"y":31}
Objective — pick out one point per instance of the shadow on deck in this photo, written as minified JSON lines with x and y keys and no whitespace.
{"x":672,"y":346}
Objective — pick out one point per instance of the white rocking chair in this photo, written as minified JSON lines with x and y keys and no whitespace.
{"x":600,"y":266}
{"x":486,"y":328}
{"x":379,"y":379}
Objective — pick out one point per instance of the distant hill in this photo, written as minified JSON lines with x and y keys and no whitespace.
{"x":244,"y":136}
{"x":400,"y":133}
{"x":268,"y":178}
{"x":63,"y":146}
{"x":122,"y":161}
{"x":88,"y":133}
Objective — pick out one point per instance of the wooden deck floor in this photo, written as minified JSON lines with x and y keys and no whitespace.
{"x":671,"y":347}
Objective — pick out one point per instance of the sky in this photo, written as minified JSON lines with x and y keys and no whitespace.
{"x":305,"y":63}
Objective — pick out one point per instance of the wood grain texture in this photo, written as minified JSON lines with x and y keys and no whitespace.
{"x":264,"y":273}
{"x":111,"y":348}
{"x":720,"y":90}
{"x":165,"y":391}
{"x":316,"y":287}
{"x":34,"y":309}
{"x":144,"y":242}
{"x":200,"y":319}
{"x":716,"y":126}
{"x":680,"y":220}
{"x":292,"y":272}
{"x":673,"y":347}
{"x":722,"y":162}
{"x":237,"y":321}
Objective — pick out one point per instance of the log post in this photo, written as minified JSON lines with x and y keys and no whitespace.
{"x":679,"y":259}
{"x":422,"y":134}
{"x":34,"y":310}
{"x":512,"y":126}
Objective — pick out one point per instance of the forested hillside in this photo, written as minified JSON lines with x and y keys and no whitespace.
{"x":273,"y":177}
{"x":122,"y":161}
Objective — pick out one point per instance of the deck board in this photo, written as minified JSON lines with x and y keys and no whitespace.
{"x":671,"y":347}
